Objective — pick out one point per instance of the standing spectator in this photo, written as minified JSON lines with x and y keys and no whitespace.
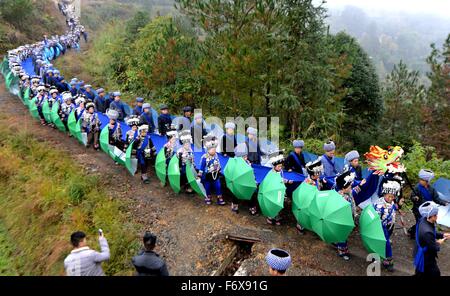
{"x":147,"y":262}
{"x":279,"y":261}
{"x":83,"y":261}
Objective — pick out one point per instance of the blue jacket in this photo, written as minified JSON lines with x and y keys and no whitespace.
{"x":329,"y":166}
{"x":119,"y":107}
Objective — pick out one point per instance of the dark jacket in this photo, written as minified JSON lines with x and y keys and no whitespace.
{"x":120,"y":108}
{"x":198,"y":131}
{"x":254,"y":151}
{"x":419,"y":199}
{"x":164,"y":122}
{"x":295,"y":162}
{"x":147,"y":118}
{"x":148,"y":263}
{"x":427,"y":239}
{"x":228,"y":144}
{"x":101,"y":104}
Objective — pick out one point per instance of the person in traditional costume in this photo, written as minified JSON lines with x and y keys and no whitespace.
{"x":54,"y":97}
{"x":185,"y":155}
{"x":88,"y":93}
{"x":352,"y":163}
{"x":146,"y":117}
{"x":114,"y":129}
{"x":343,"y":185}
{"x":131,"y":135}
{"x":198,"y":130}
{"x":172,"y":144}
{"x":209,"y":171}
{"x":164,"y":120}
{"x":253,"y":146}
{"x":66,"y":108}
{"x":423,"y":192}
{"x":118,"y":105}
{"x":277,"y":160}
{"x":314,"y":169}
{"x":91,"y":125}
{"x":328,"y":160}
{"x":229,"y":140}
{"x":386,"y":208}
{"x":40,"y":99}
{"x":186,"y":119}
{"x":295,"y":162}
{"x":145,"y":151}
{"x":100,"y":101}
{"x":138,"y":108}
{"x":428,"y":241}
{"x":80,"y":101}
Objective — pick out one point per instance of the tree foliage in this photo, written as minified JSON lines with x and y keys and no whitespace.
{"x":403,"y":97}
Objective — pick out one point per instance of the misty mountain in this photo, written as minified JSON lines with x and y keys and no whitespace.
{"x":389,"y":37}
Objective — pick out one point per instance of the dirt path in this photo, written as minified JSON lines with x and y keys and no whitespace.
{"x":192,"y":235}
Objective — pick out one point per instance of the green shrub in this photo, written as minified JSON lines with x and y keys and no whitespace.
{"x":420,"y":157}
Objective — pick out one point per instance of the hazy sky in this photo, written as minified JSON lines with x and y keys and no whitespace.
{"x":439,"y":7}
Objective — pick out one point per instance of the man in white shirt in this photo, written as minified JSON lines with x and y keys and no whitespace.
{"x":83,"y":261}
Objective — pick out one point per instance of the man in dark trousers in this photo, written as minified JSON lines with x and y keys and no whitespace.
{"x":428,"y":241}
{"x":147,"y":262}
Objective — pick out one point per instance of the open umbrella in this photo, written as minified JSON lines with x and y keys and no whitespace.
{"x":331,"y":216}
{"x":301,"y":200}
{"x":72,"y":124}
{"x":104,"y":140}
{"x":80,"y":136}
{"x":46,"y":111}
{"x":33,"y":108}
{"x":161,"y":166}
{"x":130,"y":162}
{"x":196,"y":185}
{"x":26,"y":97}
{"x":55,"y":117}
{"x":240,"y":178}
{"x":173,"y":172}
{"x":271,"y":194}
{"x":371,"y":232}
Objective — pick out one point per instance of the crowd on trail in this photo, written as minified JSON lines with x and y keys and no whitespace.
{"x":49,"y":90}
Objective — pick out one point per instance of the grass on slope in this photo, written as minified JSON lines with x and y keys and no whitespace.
{"x":45,"y":196}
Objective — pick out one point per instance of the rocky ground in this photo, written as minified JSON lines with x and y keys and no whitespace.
{"x":192,"y":236}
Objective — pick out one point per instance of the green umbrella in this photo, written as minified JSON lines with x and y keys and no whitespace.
{"x":9,"y":79}
{"x":173,"y":172}
{"x":33,"y":109}
{"x":240,"y":178}
{"x":72,"y":124}
{"x":130,"y":162}
{"x":331,"y":216}
{"x":81,"y":136}
{"x":46,"y":111}
{"x":26,"y":97}
{"x":115,"y":153}
{"x":161,"y":166}
{"x":104,"y":140}
{"x":371,"y":232}
{"x":271,"y":194}
{"x":55,"y":117}
{"x":196,"y":185}
{"x":301,"y":200}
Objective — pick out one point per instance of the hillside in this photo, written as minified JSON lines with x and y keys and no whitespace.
{"x":23,"y":21}
{"x":389,"y":37}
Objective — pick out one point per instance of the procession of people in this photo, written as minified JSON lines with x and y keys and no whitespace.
{"x":49,"y":90}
